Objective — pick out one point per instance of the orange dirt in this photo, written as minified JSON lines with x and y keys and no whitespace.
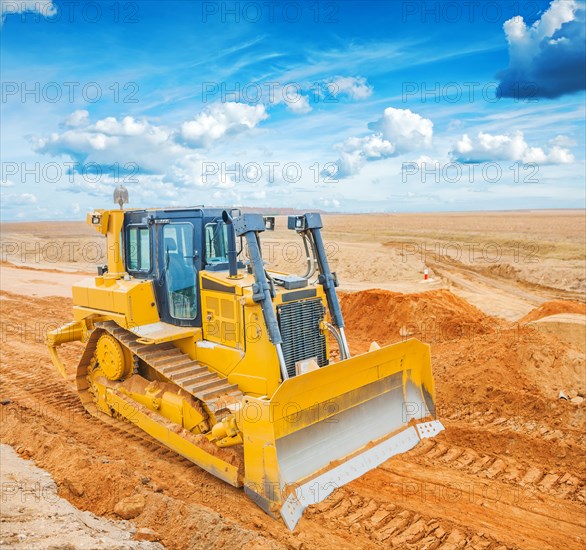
{"x":553,"y":308}
{"x":432,"y":316}
{"x":508,"y":472}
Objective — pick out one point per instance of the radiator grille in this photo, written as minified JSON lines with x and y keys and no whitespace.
{"x":302,"y":339}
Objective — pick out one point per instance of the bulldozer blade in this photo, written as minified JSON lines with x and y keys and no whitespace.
{"x":328,"y":427}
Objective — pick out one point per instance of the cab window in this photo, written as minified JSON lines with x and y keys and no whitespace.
{"x":216,"y":237}
{"x":139,"y":250}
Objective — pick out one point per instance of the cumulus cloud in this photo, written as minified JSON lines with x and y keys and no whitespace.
{"x":77,"y":118}
{"x":111,"y":141}
{"x":6,"y":183}
{"x":293,"y":95}
{"x":300,"y":106}
{"x":221,"y":119}
{"x":127,"y":126}
{"x":355,"y":87}
{"x":396,"y":132}
{"x":46,"y":8}
{"x":155,"y":161}
{"x":424,"y":162}
{"x":129,"y":145}
{"x":486,"y":147}
{"x":406,"y":129}
{"x":548,"y":58}
{"x":355,"y":152}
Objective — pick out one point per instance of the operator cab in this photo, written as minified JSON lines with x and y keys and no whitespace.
{"x":171,"y":247}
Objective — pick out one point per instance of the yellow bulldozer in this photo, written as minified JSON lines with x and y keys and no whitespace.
{"x":194,"y":339}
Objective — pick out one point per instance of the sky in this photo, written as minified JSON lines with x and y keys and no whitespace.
{"x":379,"y":106}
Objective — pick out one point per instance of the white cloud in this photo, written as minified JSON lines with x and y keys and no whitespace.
{"x":300,"y":106}
{"x":355,"y":87}
{"x":46,"y":8}
{"x":298,"y":97}
{"x":77,"y":118}
{"x":152,"y":149}
{"x":72,"y":141}
{"x":292,"y":94}
{"x":221,"y":119}
{"x":18,"y":199}
{"x":372,"y":147}
{"x":128,"y":126}
{"x":355,"y":152}
{"x":6,"y":183}
{"x":396,"y":132}
{"x":149,"y":188}
{"x":406,"y":129}
{"x":562,"y":141}
{"x":546,"y":59}
{"x":487,"y":147}
{"x":154,"y":162}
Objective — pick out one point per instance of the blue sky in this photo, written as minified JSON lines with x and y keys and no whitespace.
{"x":342,"y":106}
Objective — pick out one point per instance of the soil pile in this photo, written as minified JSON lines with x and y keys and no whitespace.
{"x":553,"y":308}
{"x":432,"y":316}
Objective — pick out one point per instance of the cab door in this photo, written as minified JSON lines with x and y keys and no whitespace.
{"x":179,"y":262}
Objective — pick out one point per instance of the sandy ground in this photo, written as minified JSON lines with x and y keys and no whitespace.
{"x":34,"y":516}
{"x":509,"y":471}
{"x":505,"y":263}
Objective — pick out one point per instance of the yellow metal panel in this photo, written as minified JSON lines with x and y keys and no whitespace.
{"x":258,"y":373}
{"x":80,"y":313}
{"x":221,"y":314}
{"x":160,"y":332}
{"x":314,"y":390}
{"x":159,"y":430}
{"x":261,"y":466}
{"x":223,"y":278}
{"x":282,"y":293}
{"x":219,"y":358}
{"x":110,"y":224}
{"x":228,"y":309}
{"x":79,"y":295}
{"x":134,"y":299}
{"x":187,"y":345}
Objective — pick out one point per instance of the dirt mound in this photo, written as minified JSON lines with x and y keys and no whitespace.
{"x":553,"y":308}
{"x":432,"y":316}
{"x":518,"y":364}
{"x":568,"y":327}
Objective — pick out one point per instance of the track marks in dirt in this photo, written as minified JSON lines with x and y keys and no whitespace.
{"x":529,"y":478}
{"x":389,"y":525}
{"x":506,"y":514}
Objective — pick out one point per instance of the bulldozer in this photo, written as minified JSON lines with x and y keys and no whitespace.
{"x":244,"y":370}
